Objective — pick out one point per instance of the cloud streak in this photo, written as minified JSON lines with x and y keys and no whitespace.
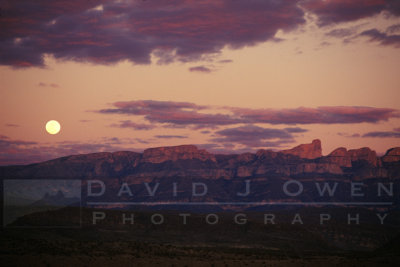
{"x":382,"y":134}
{"x":337,"y":11}
{"x":171,"y":113}
{"x":11,"y":125}
{"x":184,"y":114}
{"x":54,"y":85}
{"x":382,"y":38}
{"x":203,"y":69}
{"x":319,"y":115}
{"x":133,"y":125}
{"x":170,"y":136}
{"x":254,"y":136}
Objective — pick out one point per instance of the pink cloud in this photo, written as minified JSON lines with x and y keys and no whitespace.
{"x":171,"y":113}
{"x":183,"y":30}
{"x":177,"y":30}
{"x":133,"y":125}
{"x":170,"y":136}
{"x":382,"y":134}
{"x":319,"y":115}
{"x":254,"y":136}
{"x":178,"y":114}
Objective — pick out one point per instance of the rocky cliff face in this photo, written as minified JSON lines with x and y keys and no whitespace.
{"x":306,"y":151}
{"x":392,"y":155}
{"x":174,"y":153}
{"x":364,"y":154}
{"x":80,"y":166}
{"x":340,"y":157}
{"x":189,"y":161}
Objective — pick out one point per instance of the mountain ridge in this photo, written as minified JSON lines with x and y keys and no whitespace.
{"x":187,"y":160}
{"x":57,"y":199}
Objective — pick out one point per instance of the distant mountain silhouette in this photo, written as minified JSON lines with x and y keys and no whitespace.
{"x":56,"y":200}
{"x":188,"y":160}
{"x":224,"y":174}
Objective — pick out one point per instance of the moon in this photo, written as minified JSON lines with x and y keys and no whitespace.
{"x":53,"y":127}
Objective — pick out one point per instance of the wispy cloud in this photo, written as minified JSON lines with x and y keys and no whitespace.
{"x":319,"y":115}
{"x":170,"y":136}
{"x":336,"y":11}
{"x":393,"y":28}
{"x":225,"y":148}
{"x":388,"y":134}
{"x":53,"y":85}
{"x":355,"y":135}
{"x":189,"y":114}
{"x":341,"y":32}
{"x":225,"y":61}
{"x":254,"y":136}
{"x":295,"y":130}
{"x":375,"y":134}
{"x":171,"y":113}
{"x":11,"y":125}
{"x":382,"y":38}
{"x":203,"y":69}
{"x":133,"y":125}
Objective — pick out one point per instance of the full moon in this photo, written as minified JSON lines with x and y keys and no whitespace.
{"x":53,"y":127}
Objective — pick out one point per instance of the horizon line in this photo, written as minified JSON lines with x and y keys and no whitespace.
{"x":245,"y":203}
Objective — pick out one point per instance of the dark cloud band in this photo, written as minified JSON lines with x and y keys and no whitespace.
{"x":183,"y":114}
{"x":106,"y":32}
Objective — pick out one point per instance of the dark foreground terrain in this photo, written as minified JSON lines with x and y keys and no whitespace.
{"x":111,"y":243}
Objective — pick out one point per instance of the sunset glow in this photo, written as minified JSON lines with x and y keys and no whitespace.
{"x":226,"y":76}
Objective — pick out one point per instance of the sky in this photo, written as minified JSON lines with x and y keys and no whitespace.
{"x":229,"y":76}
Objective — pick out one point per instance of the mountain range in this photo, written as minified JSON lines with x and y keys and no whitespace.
{"x":56,"y":200}
{"x":188,"y":160}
